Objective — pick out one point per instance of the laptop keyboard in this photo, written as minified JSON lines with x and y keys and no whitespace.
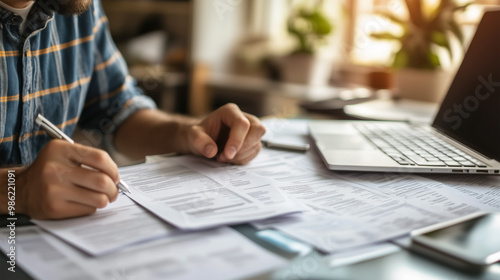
{"x":410,"y":145}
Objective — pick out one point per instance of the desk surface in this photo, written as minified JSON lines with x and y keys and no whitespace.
{"x":399,"y":265}
{"x":396,"y":266}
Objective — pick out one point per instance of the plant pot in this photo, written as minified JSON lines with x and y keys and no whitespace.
{"x":306,"y":69}
{"x":423,"y":85}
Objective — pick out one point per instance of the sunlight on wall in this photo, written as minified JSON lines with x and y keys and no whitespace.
{"x":369,"y":51}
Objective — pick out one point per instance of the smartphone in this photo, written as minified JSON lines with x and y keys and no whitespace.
{"x":471,"y":243}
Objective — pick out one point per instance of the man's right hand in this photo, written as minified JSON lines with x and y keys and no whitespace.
{"x":56,"y":186}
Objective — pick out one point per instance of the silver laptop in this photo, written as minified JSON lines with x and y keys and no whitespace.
{"x":465,"y":134}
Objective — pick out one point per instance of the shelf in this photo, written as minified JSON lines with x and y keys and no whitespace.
{"x":162,"y":7}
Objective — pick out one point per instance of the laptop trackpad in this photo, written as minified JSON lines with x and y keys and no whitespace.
{"x":344,"y":142}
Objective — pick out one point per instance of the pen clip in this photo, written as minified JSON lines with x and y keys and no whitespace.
{"x":51,"y":129}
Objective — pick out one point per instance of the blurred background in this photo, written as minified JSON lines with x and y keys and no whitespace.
{"x":284,"y":57}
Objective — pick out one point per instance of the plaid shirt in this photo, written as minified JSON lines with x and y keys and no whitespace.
{"x":65,"y":68}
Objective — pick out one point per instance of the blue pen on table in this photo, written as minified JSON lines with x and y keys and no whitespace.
{"x":55,"y":132}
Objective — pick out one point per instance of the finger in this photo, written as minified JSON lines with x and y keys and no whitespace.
{"x":86,"y":197}
{"x":251,"y":143}
{"x":58,"y":195}
{"x":257,"y":130}
{"x":239,"y":126}
{"x":246,"y":156}
{"x":95,"y":158}
{"x":201,"y":143}
{"x":95,"y":181}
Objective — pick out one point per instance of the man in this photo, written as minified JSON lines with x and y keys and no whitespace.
{"x":57,"y":58}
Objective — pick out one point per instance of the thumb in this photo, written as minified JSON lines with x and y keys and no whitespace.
{"x":201,"y":143}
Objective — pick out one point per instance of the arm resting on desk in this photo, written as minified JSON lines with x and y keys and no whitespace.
{"x":228,"y":133}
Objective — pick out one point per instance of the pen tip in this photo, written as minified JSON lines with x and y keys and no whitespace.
{"x":124,"y":187}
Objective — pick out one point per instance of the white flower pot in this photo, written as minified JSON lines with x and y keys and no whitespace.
{"x":306,"y":69}
{"x":423,"y":85}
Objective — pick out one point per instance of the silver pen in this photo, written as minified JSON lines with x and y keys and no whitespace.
{"x":55,"y":132}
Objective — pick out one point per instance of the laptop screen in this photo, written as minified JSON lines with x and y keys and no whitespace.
{"x":470,"y":112}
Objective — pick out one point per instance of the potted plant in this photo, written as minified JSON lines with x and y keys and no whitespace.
{"x":420,"y":75}
{"x":310,"y":28}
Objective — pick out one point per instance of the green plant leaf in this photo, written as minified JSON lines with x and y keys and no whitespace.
{"x":309,"y":27}
{"x":461,"y":8}
{"x":385,"y":36}
{"x":434,"y":60}
{"x":401,"y":59}
{"x":439,"y":38}
{"x":320,"y":24}
{"x":423,"y":33}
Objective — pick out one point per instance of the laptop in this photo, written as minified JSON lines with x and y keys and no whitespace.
{"x":463,"y":138}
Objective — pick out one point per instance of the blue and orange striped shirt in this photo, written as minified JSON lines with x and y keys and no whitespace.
{"x":65,"y":68}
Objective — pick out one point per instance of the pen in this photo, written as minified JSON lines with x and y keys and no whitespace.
{"x":288,"y":147}
{"x":55,"y":132}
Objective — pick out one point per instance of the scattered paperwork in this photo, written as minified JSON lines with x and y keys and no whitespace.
{"x":215,"y":254}
{"x":358,"y":209}
{"x":121,"y":223}
{"x":194,"y":194}
{"x":348,"y":215}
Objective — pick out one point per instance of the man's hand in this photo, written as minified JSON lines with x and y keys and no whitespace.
{"x":229,"y":133}
{"x":56,"y":186}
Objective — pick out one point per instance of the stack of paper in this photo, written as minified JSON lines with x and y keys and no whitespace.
{"x":194,"y":194}
{"x":216,"y":254}
{"x":347,"y":215}
{"x":120,"y":224}
{"x":357,"y":209}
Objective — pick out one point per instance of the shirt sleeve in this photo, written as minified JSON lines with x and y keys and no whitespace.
{"x":112,"y":95}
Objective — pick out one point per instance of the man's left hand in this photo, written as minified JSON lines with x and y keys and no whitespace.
{"x":229,"y":134}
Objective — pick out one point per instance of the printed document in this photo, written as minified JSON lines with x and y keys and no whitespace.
{"x":220,"y":253}
{"x":356,"y":209}
{"x":191,"y":193}
{"x":121,"y":223}
{"x":485,"y":190}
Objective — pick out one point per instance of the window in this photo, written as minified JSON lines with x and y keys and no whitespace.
{"x":365,"y":19}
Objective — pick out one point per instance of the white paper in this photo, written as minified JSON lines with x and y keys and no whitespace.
{"x":484,"y":190}
{"x":356,"y":209}
{"x":403,"y":242}
{"x":332,"y":233}
{"x":420,"y":192}
{"x":191,"y":193}
{"x":41,"y":259}
{"x":121,"y":223}
{"x":216,"y":254}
